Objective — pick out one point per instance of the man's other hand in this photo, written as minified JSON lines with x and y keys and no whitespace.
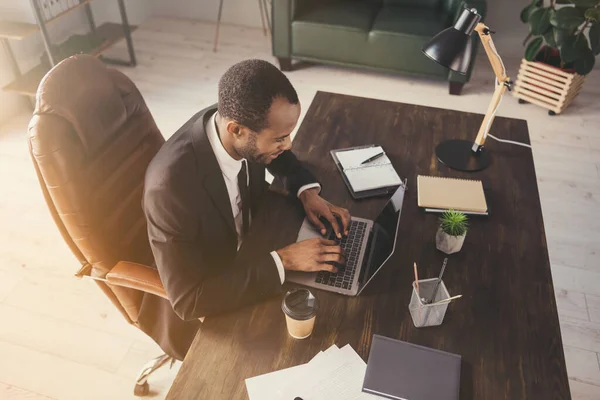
{"x":312,"y":255}
{"x":315,"y":206}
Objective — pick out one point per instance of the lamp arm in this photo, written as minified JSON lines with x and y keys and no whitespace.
{"x":502,"y":83}
{"x":490,"y":50}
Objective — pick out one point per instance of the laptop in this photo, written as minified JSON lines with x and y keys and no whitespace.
{"x":368,"y":246}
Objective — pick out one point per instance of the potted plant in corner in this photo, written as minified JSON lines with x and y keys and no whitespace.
{"x":563,"y":41}
{"x":452,"y":231}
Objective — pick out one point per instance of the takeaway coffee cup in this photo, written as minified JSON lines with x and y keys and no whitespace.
{"x":300,"y":309}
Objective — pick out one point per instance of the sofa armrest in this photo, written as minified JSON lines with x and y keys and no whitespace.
{"x":281,"y":17}
{"x":136,"y":276}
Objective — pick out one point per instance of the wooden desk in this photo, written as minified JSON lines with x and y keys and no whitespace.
{"x":505,"y":326}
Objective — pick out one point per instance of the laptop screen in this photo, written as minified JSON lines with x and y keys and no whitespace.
{"x":383,"y":238}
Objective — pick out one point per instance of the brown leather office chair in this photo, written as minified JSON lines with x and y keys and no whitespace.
{"x":91,"y":139}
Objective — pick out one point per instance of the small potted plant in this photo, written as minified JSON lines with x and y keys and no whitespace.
{"x":562,"y":44}
{"x":452,"y":231}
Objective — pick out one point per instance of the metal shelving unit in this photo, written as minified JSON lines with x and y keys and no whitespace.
{"x":27,"y":83}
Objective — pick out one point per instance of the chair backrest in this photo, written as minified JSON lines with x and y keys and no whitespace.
{"x":91,"y":139}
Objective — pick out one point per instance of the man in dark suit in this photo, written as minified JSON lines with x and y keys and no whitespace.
{"x":207,"y":182}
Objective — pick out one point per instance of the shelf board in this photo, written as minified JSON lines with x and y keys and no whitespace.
{"x":27,"y":84}
{"x":62,"y":14}
{"x":16,"y":30}
{"x":20,"y":30}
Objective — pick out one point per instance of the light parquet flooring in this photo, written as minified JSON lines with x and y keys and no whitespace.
{"x":60,"y":338}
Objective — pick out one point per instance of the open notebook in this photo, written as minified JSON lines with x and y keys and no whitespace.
{"x":377,"y":174}
{"x":441,"y":194}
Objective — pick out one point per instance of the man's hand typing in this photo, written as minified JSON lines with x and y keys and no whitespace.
{"x":312,"y":255}
{"x":315,"y":207}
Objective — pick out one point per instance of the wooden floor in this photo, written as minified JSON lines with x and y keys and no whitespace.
{"x":60,"y":338}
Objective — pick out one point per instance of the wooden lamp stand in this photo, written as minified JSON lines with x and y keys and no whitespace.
{"x":464,"y":155}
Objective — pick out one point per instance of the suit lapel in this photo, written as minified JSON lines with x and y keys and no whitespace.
{"x":215,"y":186}
{"x":209,"y":168}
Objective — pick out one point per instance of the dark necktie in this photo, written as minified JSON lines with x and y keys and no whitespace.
{"x":244,"y":196}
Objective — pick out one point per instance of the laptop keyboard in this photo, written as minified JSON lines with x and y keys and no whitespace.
{"x":351,"y":246}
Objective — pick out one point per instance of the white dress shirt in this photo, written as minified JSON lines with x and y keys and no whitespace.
{"x":230,"y":167}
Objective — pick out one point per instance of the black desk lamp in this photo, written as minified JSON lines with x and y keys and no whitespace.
{"x":452,"y":49}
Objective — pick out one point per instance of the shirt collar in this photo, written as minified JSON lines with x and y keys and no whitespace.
{"x":230,"y":167}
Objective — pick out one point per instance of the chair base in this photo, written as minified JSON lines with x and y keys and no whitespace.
{"x":141,"y":390}
{"x":141,"y":383}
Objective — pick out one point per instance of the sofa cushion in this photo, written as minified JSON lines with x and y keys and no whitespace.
{"x":397,"y":36}
{"x":335,"y":31}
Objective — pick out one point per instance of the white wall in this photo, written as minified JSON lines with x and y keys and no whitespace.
{"x":29,"y":50}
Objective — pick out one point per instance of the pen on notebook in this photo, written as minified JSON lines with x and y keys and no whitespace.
{"x":375,"y":157}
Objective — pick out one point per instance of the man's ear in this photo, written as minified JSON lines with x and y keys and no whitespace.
{"x":235,"y":129}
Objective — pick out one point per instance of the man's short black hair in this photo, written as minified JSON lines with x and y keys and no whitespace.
{"x":247,"y":90}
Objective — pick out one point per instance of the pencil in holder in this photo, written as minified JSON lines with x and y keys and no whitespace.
{"x":431,"y":314}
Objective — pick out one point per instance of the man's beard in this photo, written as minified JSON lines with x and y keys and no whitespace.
{"x":251,"y":153}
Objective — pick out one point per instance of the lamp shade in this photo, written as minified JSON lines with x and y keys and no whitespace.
{"x":451,"y":47}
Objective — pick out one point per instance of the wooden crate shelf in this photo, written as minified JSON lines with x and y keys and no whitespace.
{"x":27,"y":84}
{"x":546,"y":86}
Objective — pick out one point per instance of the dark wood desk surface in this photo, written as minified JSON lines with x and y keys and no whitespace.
{"x":505,"y":326}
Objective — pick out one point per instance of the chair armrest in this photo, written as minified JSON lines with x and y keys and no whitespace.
{"x":136,"y":276}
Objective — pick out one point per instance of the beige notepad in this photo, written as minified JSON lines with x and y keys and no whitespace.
{"x":451,"y":194}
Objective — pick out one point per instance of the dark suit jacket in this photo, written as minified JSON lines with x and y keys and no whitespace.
{"x":191,"y":227}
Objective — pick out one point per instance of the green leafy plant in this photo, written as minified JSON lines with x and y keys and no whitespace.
{"x":454,"y":223}
{"x":571,"y":27}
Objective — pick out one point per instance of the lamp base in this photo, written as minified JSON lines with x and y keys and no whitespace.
{"x":458,"y":154}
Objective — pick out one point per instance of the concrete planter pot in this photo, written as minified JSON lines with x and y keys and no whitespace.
{"x":447,"y":243}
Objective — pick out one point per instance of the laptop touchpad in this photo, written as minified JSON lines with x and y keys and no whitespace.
{"x":308,"y":231}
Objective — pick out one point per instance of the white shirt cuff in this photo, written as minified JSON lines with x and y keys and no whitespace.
{"x":279,"y":264}
{"x":309,"y":186}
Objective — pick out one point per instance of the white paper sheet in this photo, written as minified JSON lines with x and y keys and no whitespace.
{"x":337,"y":376}
{"x":271,"y":386}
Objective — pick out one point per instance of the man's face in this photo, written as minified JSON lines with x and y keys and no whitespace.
{"x":265,"y":146}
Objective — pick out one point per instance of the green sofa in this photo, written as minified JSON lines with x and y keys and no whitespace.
{"x":382,"y":34}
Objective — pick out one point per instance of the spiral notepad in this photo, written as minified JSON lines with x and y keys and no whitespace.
{"x":379,"y":173}
{"x":451,"y":194}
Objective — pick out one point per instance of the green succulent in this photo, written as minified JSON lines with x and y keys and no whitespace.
{"x":564,"y":25}
{"x":454,"y":223}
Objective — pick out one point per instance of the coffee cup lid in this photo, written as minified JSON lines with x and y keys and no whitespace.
{"x":299,"y":304}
